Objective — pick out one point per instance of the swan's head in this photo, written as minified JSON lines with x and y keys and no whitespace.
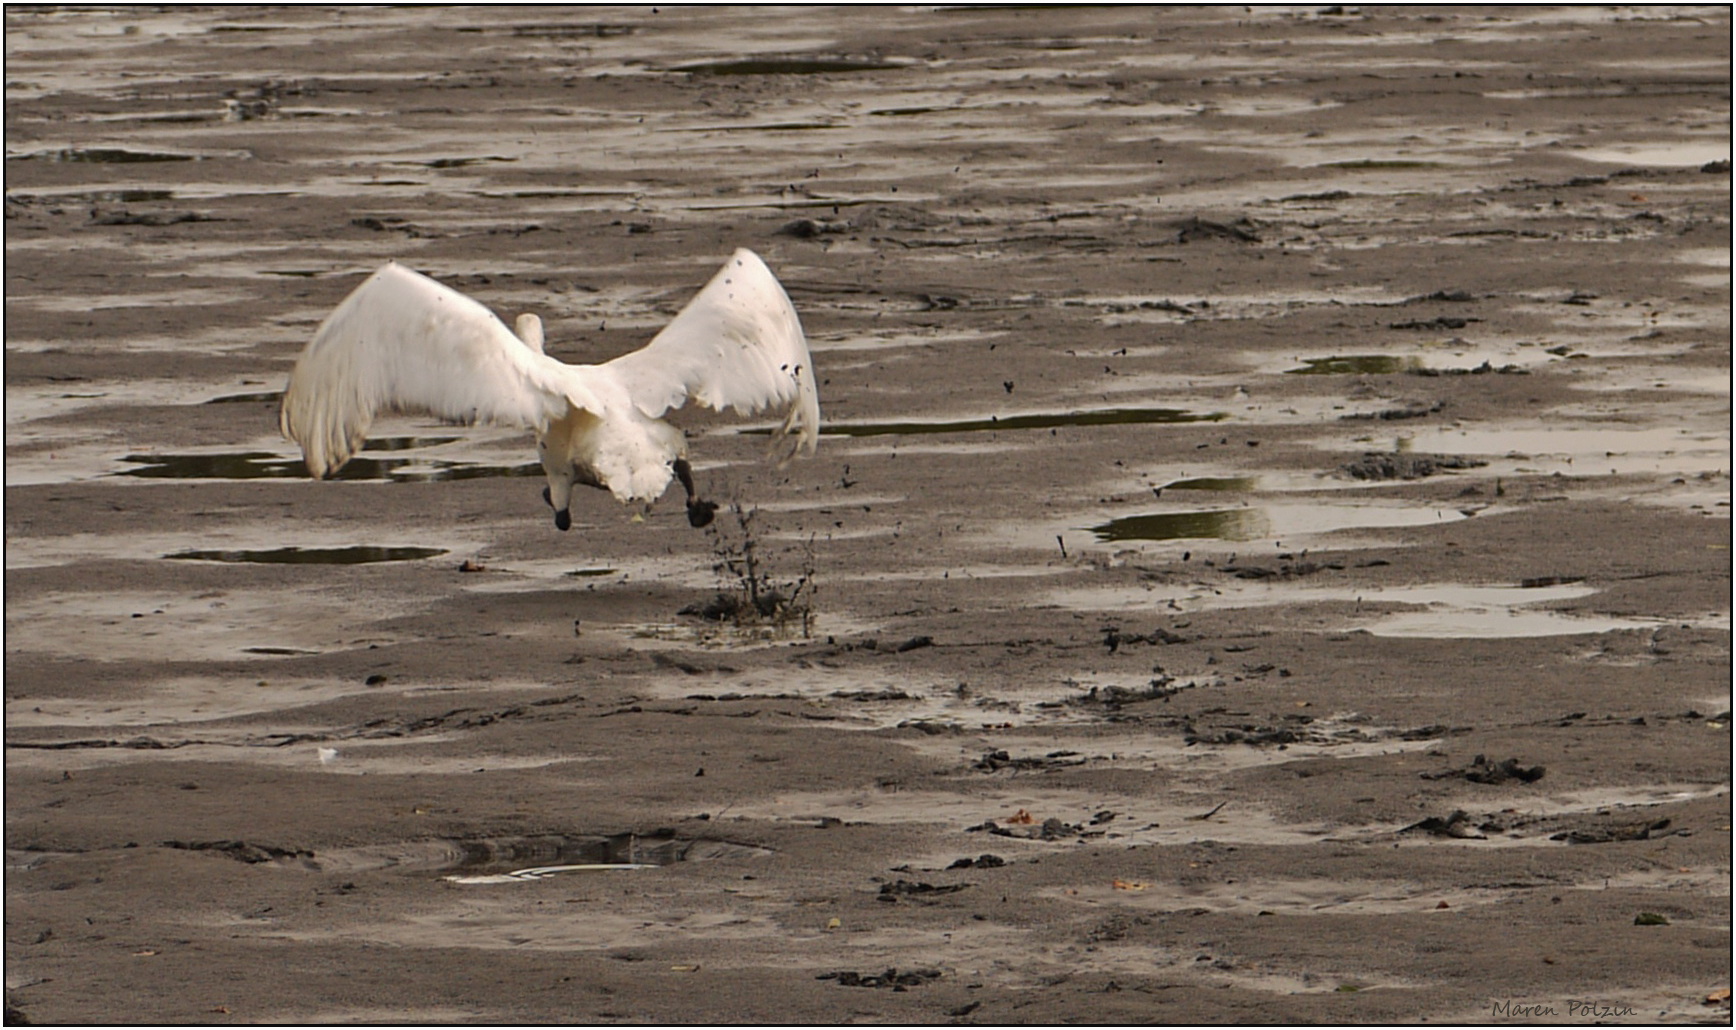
{"x":529,"y":329}
{"x":558,"y":494}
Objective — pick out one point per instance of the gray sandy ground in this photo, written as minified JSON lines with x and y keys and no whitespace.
{"x":1268,"y":560}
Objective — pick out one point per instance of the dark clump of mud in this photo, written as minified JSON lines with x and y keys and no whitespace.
{"x":721,"y":607}
{"x":1481,"y":770}
{"x":1407,"y":466}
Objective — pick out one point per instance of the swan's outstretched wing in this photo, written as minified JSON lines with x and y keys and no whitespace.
{"x":738,"y":344}
{"x":403,"y":342}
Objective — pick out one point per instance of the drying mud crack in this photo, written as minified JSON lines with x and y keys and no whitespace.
{"x":1268,"y":557}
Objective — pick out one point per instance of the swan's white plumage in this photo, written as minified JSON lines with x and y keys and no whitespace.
{"x":737,"y":345}
{"x":403,"y":342}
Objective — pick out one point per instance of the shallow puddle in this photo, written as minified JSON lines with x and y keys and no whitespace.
{"x":261,"y":397}
{"x":1582,"y":449}
{"x":1437,"y":356}
{"x":1715,"y":257}
{"x":1226,"y":484}
{"x":239,"y":465}
{"x":1685,"y":381}
{"x":412,"y":755}
{"x":231,"y":542}
{"x":1362,"y":364}
{"x":360,"y":554}
{"x":266,"y":465}
{"x":26,"y":404}
{"x":161,"y":626}
{"x":1296,"y":896}
{"x":1022,"y":809}
{"x":480,"y":860}
{"x":1367,"y":164}
{"x":1447,"y":609}
{"x":186,"y":297}
{"x":1226,"y":524}
{"x":994,"y":423}
{"x":788,"y":66}
{"x":1278,"y":895}
{"x":204,"y":699}
{"x":398,"y":443}
{"x":1277,"y":522}
{"x":483,"y":859}
{"x":101,"y":155}
{"x":1445,"y":620}
{"x":1681,"y":154}
{"x":1215,"y":481}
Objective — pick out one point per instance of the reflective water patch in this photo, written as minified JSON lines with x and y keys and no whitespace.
{"x":1268,"y":522}
{"x":789,"y":66}
{"x":266,"y":465}
{"x":993,"y":423}
{"x":360,"y":554}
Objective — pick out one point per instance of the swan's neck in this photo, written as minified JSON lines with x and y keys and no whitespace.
{"x":530,"y":330}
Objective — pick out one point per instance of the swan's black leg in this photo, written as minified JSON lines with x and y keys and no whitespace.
{"x":699,"y":513}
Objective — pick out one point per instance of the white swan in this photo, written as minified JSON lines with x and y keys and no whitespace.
{"x":403,"y":342}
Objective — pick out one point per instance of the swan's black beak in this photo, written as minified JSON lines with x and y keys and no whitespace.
{"x":563,"y":518}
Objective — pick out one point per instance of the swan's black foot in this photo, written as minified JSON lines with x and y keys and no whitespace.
{"x":700,"y":513}
{"x":563,"y":520}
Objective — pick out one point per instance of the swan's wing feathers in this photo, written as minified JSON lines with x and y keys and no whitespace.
{"x":403,"y":342}
{"x":738,"y":344}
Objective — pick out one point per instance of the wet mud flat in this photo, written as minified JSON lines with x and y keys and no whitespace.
{"x":1268,"y":557}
